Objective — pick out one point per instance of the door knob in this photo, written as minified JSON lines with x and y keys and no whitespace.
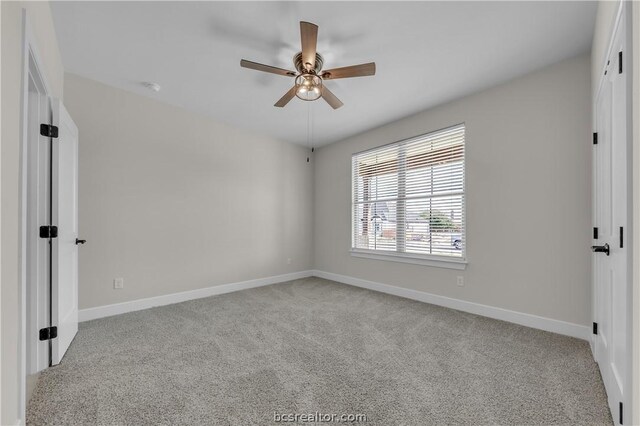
{"x":80,"y":241}
{"x":601,"y":249}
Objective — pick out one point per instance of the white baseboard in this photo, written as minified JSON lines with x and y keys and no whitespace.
{"x":533,"y":321}
{"x":168,"y":299}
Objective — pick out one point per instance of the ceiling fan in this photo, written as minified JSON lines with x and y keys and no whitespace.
{"x":309,"y":80}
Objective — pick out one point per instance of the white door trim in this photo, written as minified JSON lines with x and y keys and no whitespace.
{"x":634,"y":50}
{"x":29,"y":50}
{"x":632,"y":399}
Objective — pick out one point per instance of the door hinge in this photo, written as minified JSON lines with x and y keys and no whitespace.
{"x":595,"y":328}
{"x":620,"y":62}
{"x":595,"y":138}
{"x":621,"y":237}
{"x":49,"y":130}
{"x":48,"y":231}
{"x":621,"y":413}
{"x":595,"y":232}
{"x":48,"y":333}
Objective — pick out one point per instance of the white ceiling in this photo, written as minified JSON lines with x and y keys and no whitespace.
{"x":426,"y":53}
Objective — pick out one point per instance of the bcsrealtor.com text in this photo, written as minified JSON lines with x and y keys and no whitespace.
{"x":318,"y":417}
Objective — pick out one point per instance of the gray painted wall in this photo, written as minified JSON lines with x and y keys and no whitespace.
{"x":172,"y":201}
{"x":528,"y":161}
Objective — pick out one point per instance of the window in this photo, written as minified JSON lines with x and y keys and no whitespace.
{"x":408,"y":198}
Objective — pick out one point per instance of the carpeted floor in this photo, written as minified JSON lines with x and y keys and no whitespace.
{"x":314,"y":345}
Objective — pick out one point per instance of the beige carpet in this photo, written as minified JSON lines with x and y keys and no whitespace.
{"x":314,"y":345}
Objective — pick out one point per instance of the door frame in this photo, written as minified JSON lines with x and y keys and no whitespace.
{"x":31,"y":63}
{"x":634,"y":48}
{"x":623,"y":15}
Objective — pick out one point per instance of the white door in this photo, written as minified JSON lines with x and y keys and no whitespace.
{"x":610,"y":270}
{"x":64,"y":291}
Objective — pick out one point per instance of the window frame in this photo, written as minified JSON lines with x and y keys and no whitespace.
{"x":443,"y":261}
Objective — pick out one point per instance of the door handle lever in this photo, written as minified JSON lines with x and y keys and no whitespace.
{"x":80,"y":241}
{"x":601,"y":249}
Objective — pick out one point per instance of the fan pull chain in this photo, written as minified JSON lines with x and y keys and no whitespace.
{"x":308,"y":127}
{"x":312,"y":130}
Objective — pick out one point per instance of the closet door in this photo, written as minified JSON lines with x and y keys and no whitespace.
{"x":64,"y":294}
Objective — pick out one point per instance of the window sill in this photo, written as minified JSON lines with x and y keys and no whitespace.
{"x":439,"y":262}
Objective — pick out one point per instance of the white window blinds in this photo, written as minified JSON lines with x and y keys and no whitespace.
{"x":408,"y":197}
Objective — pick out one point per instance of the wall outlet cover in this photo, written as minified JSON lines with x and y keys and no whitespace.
{"x":118,"y":283}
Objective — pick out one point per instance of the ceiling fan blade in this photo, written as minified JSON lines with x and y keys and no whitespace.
{"x":331,"y":99}
{"x":266,"y":68}
{"x":351,"y":71}
{"x":309,"y":37}
{"x":286,"y":98}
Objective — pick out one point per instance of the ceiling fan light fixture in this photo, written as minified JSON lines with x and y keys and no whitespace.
{"x":308,"y":87}
{"x":309,"y":84}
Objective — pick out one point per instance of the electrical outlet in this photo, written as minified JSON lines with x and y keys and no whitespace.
{"x":289,"y":261}
{"x":460,"y":281}
{"x":118,"y":283}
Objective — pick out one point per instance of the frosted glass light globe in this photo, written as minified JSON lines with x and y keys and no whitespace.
{"x":309,"y":87}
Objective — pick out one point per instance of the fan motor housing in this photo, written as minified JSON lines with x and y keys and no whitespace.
{"x":297,"y":61}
